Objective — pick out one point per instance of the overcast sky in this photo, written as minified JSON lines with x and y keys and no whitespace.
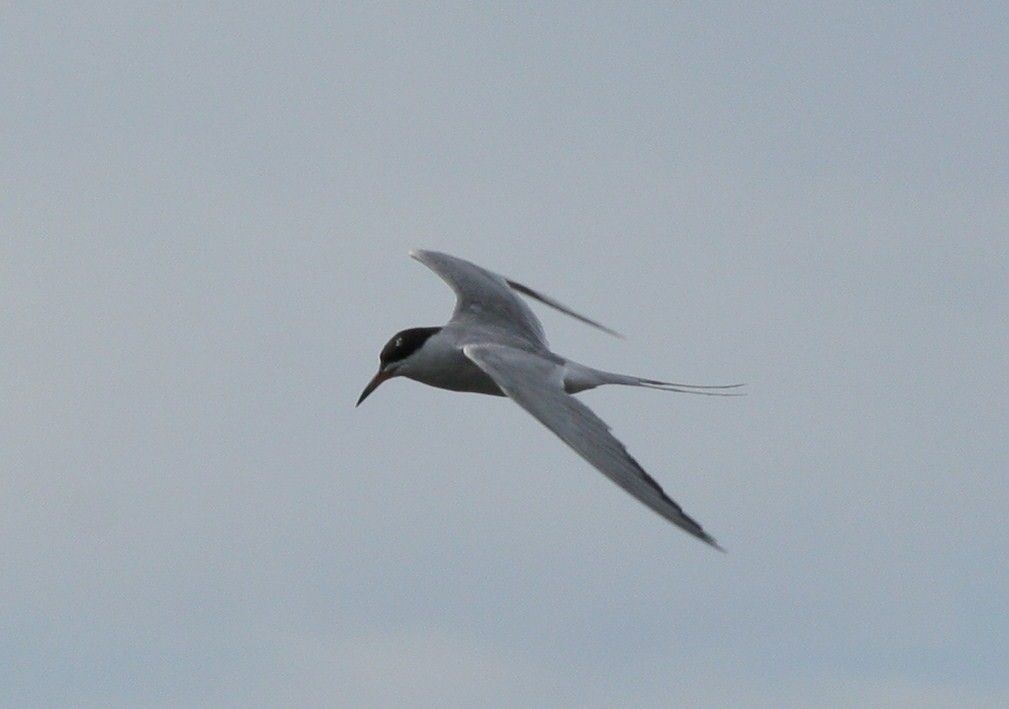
{"x":206,"y":214}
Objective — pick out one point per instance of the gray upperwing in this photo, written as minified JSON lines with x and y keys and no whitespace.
{"x":484,"y":297}
{"x":489,"y":298}
{"x":536,"y":384}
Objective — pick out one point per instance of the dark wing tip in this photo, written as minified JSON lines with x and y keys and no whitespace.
{"x":714,"y":544}
{"x":527,"y":291}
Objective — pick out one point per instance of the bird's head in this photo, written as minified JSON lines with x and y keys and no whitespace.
{"x":396,"y":354}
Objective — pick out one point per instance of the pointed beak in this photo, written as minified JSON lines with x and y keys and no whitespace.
{"x":373,"y":384}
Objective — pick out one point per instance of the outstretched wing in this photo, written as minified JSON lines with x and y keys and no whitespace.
{"x":547,"y":300}
{"x":537,"y":385}
{"x":486,"y":298}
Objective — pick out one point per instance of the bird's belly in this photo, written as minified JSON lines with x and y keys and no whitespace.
{"x":462,"y":375}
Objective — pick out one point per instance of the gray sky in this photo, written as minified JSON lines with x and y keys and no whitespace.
{"x":206,"y":215}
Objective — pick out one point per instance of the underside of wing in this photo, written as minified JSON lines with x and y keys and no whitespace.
{"x":536,"y":384}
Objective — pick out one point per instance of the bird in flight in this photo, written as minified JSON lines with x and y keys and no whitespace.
{"x":494,"y":344}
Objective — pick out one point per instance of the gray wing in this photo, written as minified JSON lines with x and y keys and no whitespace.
{"x":486,"y":298}
{"x":536,"y":384}
{"x":546,"y":300}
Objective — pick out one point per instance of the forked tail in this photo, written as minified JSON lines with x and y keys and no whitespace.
{"x":706,"y":389}
{"x":578,"y":377}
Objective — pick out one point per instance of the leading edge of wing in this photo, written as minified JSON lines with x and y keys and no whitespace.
{"x":535,"y":384}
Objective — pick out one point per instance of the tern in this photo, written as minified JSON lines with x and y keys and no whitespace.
{"x":494,"y":344}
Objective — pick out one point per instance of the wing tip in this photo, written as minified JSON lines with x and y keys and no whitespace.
{"x":711,"y":542}
{"x":557,"y":305}
{"x":696,"y":530}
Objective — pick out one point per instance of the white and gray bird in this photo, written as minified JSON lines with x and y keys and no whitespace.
{"x":494,"y":344}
